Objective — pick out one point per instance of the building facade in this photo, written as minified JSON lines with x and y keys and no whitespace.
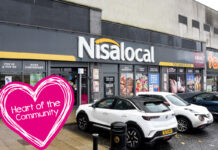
{"x":103,"y":48}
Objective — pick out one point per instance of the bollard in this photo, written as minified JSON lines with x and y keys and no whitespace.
{"x":95,"y":141}
{"x":118,"y":136}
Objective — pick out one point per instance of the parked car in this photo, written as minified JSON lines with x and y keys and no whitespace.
{"x":207,"y":99}
{"x":188,"y":115}
{"x":147,"y":119}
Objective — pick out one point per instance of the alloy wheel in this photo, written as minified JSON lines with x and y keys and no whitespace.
{"x":82,"y":122}
{"x":183,"y":125}
{"x":132,"y":138}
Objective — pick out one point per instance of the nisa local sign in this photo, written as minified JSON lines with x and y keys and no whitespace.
{"x":106,"y":49}
{"x":212,"y":59}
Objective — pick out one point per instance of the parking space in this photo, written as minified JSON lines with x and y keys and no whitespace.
{"x":70,"y":138}
{"x":195,"y":140}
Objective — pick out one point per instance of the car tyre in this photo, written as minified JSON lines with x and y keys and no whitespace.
{"x":134,"y":138}
{"x":83,"y":122}
{"x":184,"y":124}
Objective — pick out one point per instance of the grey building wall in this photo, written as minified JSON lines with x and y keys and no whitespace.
{"x":162,"y":16}
{"x":95,"y":21}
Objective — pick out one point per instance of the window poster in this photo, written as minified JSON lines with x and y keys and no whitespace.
{"x":126,"y":84}
{"x":95,"y":74}
{"x":95,"y":86}
{"x":34,"y":78}
{"x":141,"y":83}
{"x":8,"y":79}
{"x":173,"y":83}
{"x":197,"y":82}
{"x":154,"y":84}
{"x":209,"y":88}
{"x":190,"y":83}
{"x":181,"y":83}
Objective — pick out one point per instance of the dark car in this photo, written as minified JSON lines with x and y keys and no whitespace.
{"x":207,"y":99}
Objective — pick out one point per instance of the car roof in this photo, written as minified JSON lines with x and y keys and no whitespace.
{"x":138,"y":98}
{"x":145,"y":99}
{"x":139,"y":101}
{"x":155,"y":93}
{"x":188,"y":95}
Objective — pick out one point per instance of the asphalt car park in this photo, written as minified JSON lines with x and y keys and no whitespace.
{"x":196,"y":139}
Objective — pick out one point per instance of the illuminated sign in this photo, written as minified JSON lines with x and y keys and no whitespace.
{"x":105,"y":49}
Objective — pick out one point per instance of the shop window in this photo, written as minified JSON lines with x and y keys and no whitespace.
{"x":33,"y":78}
{"x":126,"y":80}
{"x":154,"y":82}
{"x":211,"y":83}
{"x":7,"y":78}
{"x":141,"y":79}
{"x":153,"y":79}
{"x":109,"y":87}
{"x":126,"y":84}
{"x":177,"y":80}
{"x":198,"y":81}
{"x":141,"y":82}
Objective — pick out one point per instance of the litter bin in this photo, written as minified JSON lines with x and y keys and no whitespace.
{"x":118,"y":136}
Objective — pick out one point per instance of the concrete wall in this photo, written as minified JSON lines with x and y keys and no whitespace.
{"x":160,"y":15}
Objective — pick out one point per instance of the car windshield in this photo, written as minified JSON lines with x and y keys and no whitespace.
{"x":176,"y":100}
{"x":155,"y":107}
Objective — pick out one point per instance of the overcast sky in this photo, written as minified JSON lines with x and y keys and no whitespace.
{"x":210,"y":3}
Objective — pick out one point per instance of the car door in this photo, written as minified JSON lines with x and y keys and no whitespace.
{"x":121,"y":110}
{"x":101,"y":111}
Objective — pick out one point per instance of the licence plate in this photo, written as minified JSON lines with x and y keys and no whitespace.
{"x":169,"y":131}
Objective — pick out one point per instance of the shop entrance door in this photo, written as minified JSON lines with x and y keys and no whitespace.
{"x":72,"y":76}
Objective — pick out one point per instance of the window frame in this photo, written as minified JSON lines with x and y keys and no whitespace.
{"x":112,"y":105}
{"x":194,"y":98}
{"x":117,"y":100}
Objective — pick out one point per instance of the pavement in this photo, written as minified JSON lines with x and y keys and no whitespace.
{"x":70,"y":138}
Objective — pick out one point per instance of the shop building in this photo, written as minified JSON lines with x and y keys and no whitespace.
{"x":97,"y":64}
{"x":97,"y":57}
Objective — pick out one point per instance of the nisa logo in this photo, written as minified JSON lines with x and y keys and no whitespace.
{"x":105,"y":49}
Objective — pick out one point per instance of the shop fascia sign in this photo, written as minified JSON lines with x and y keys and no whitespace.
{"x":105,"y":49}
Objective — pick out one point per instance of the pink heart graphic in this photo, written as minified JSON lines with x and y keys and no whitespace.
{"x":37,"y":113}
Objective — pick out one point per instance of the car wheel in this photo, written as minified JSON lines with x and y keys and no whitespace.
{"x":183,"y":124}
{"x":134,"y":138}
{"x":83,"y":122}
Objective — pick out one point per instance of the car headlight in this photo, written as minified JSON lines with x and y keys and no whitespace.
{"x":191,"y":110}
{"x":201,"y":117}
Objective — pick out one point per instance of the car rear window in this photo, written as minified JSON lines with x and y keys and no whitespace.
{"x":155,"y":107}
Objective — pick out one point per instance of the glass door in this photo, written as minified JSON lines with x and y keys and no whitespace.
{"x":72,"y":76}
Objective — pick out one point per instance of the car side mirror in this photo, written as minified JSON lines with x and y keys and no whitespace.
{"x":93,"y":105}
{"x":166,"y":103}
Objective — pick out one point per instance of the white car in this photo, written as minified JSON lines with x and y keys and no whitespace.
{"x":188,"y":115}
{"x":147,"y":119}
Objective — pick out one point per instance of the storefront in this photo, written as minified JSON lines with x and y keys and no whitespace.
{"x":212,"y":70}
{"x":22,"y":71}
{"x":96,"y":66}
